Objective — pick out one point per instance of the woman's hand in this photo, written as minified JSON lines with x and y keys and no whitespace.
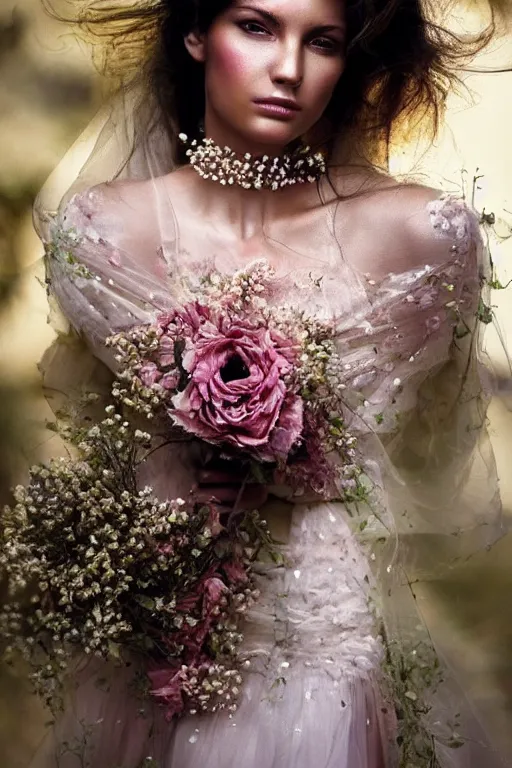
{"x":225,"y":483}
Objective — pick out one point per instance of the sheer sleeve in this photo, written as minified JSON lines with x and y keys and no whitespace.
{"x":102,"y":280}
{"x":417,"y":393}
{"x":105,"y":275}
{"x":441,"y":450}
{"x":419,"y":389}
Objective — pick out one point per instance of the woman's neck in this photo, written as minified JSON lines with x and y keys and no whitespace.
{"x":243,"y":212}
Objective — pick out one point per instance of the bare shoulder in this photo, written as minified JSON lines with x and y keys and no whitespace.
{"x":401,"y":227}
{"x":122,"y":212}
{"x":436,"y":227}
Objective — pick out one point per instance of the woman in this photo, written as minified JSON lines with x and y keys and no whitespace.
{"x":399,"y":270}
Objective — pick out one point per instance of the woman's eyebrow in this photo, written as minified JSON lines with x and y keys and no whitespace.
{"x":272,"y":19}
{"x":266,"y":14}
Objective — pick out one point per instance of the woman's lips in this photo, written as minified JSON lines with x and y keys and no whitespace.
{"x":280,"y":110}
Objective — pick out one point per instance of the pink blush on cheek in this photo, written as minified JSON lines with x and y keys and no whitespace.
{"x":232,"y":61}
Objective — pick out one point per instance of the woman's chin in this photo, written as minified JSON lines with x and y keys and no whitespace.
{"x":271,"y":138}
{"x":270,"y":144}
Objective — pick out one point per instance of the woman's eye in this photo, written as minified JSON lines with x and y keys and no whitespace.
{"x":326,"y":44}
{"x":253,"y":27}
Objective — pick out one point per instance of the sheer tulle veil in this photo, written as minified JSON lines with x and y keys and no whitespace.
{"x":442,"y":501}
{"x":122,"y":141}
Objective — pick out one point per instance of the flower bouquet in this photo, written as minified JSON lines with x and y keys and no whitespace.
{"x":259,"y":380}
{"x":111,"y":571}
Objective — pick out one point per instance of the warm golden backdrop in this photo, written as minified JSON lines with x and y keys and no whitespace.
{"x":48,"y":92}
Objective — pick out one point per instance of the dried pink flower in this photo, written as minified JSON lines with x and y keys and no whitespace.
{"x":236,"y":393}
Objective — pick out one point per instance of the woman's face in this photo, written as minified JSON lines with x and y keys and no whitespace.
{"x":270,"y":70}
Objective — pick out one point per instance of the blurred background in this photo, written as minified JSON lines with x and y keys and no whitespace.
{"x":49,"y":90}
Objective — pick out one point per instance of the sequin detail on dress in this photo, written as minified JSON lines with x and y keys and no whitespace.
{"x":316,"y":694}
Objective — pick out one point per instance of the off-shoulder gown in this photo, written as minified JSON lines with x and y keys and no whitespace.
{"x":316,"y":692}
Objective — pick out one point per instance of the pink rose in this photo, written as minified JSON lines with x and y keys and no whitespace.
{"x":149,"y":374}
{"x":169,"y":380}
{"x":236,"y":393}
{"x":214,"y":523}
{"x":235,"y":572}
{"x":166,"y":351}
{"x":214,"y":589}
{"x":167,"y":687}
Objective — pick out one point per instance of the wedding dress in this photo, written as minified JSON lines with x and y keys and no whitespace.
{"x":316,"y":693}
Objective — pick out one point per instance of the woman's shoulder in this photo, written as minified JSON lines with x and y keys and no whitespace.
{"x":122,"y":213}
{"x":404,"y":226}
{"x":433,"y":227}
{"x":108,"y":200}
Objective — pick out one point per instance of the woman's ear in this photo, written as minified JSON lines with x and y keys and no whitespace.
{"x":195,"y":45}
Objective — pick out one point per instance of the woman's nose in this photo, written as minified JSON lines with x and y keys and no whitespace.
{"x":288,"y":66}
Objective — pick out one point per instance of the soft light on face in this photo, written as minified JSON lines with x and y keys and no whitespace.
{"x":270,"y":70}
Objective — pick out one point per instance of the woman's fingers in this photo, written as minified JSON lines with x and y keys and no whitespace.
{"x":224,"y":484}
{"x":218,"y":477}
{"x":217,"y":493}
{"x":253,"y":496}
{"x":249,"y":497}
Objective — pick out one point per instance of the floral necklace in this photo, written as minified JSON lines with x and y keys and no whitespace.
{"x":224,"y":166}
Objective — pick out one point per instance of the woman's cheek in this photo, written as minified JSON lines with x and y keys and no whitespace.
{"x":234,"y":63}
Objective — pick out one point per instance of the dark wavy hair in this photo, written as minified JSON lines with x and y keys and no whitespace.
{"x":400,"y":63}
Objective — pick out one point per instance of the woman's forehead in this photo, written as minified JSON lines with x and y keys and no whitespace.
{"x":328,"y":12}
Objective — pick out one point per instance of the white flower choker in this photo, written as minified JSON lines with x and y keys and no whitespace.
{"x":252,"y":172}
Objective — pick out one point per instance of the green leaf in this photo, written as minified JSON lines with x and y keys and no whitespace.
{"x":277,"y":557}
{"x":461,"y":331}
{"x":456,"y":742}
{"x":114,"y":650}
{"x":258,"y":473}
{"x":484,"y":313}
{"x":146,"y":602}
